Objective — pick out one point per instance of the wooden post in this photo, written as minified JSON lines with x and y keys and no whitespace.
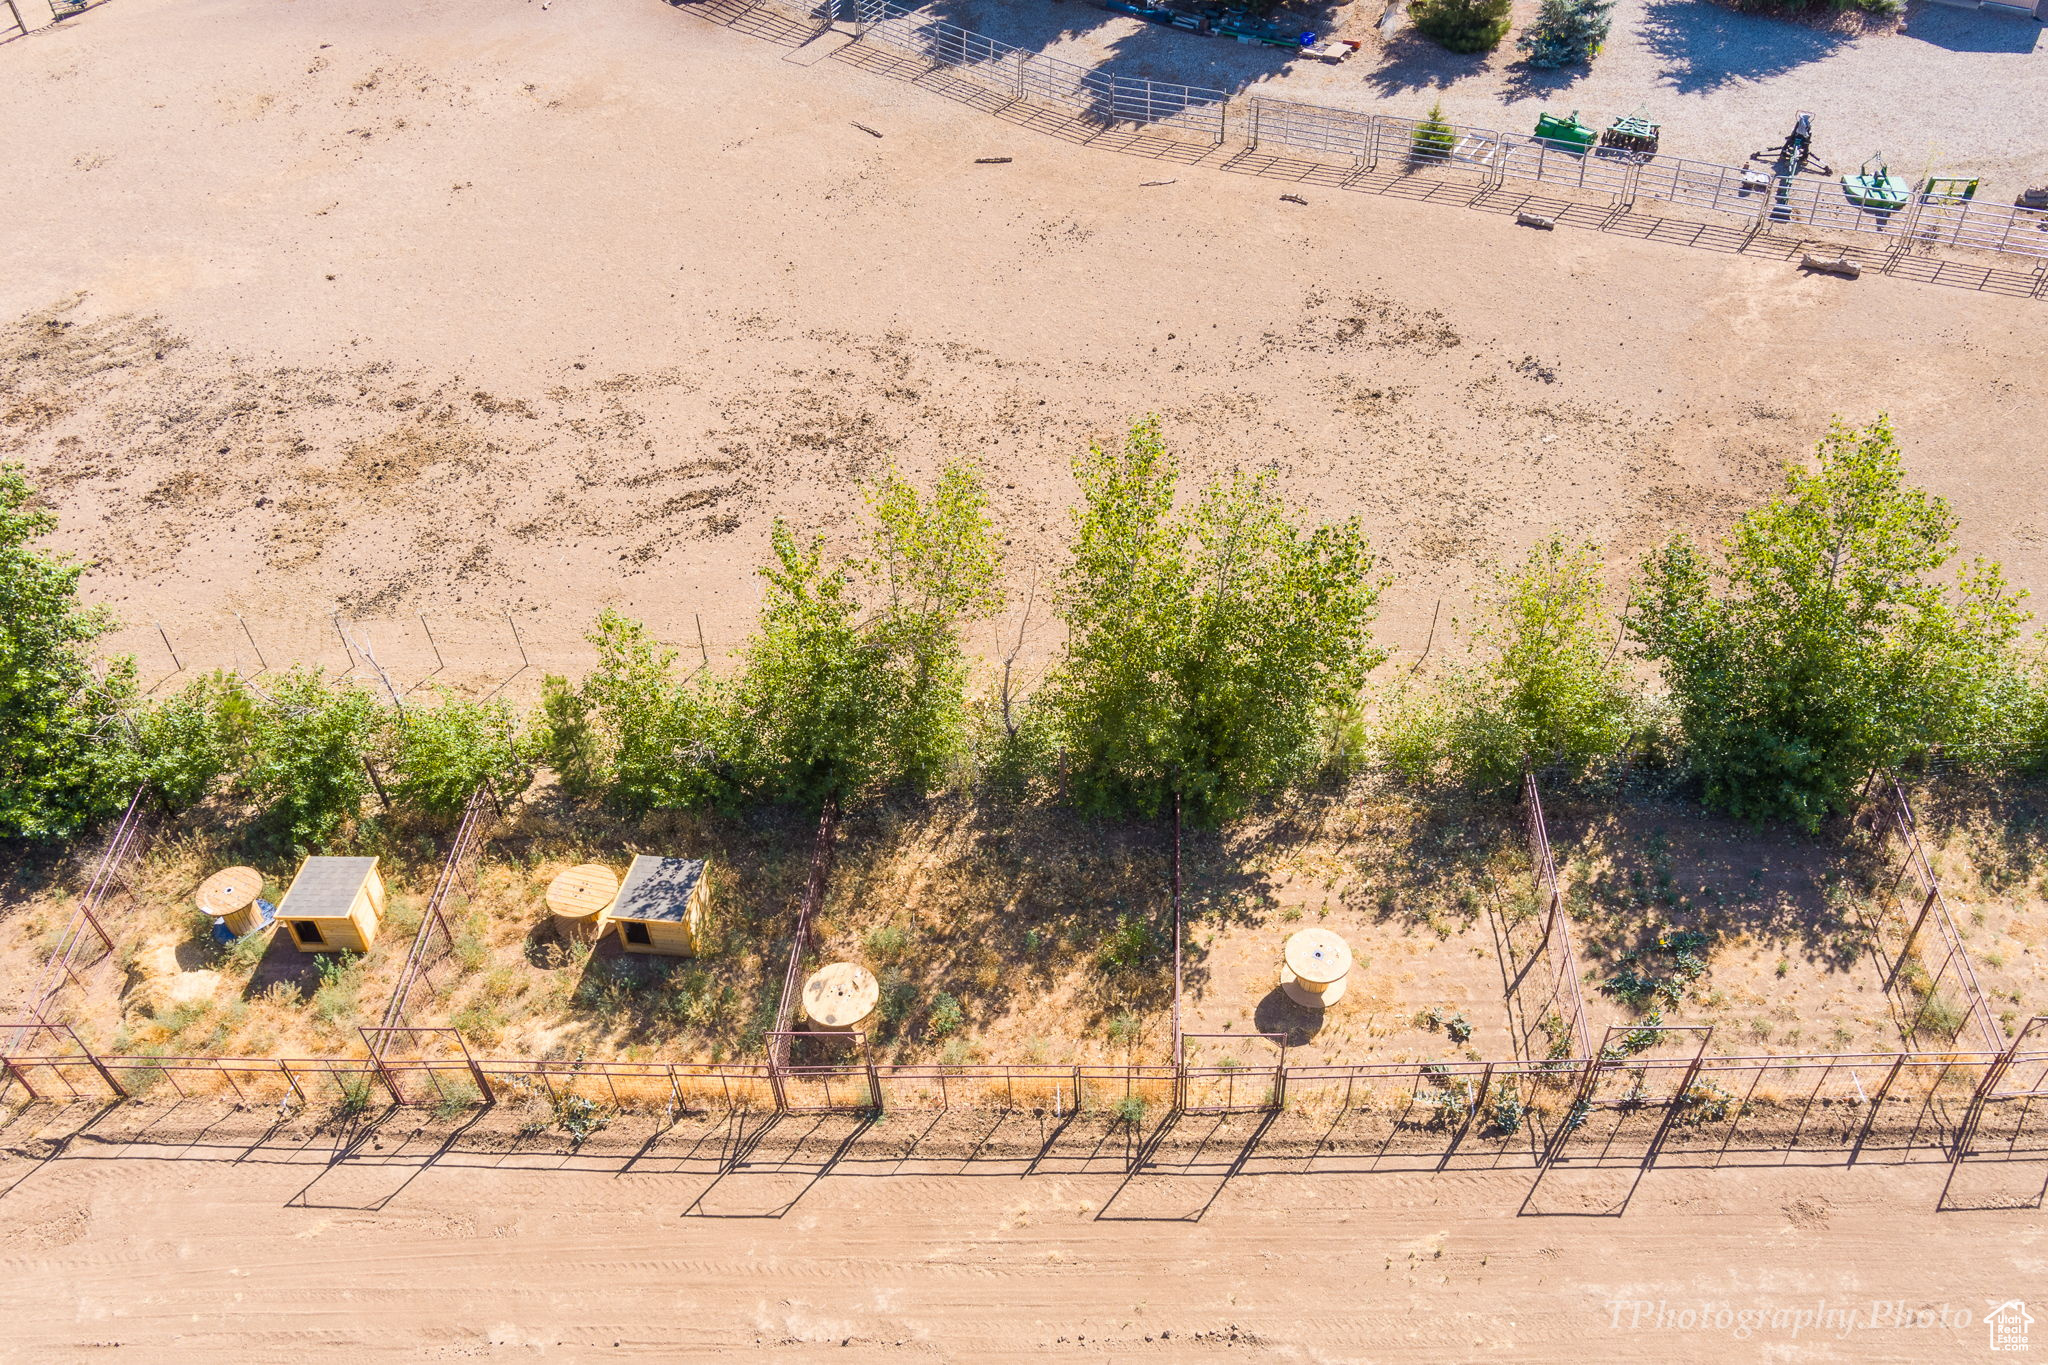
{"x":376,"y":783}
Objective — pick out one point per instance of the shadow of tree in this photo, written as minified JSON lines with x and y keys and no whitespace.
{"x":1704,"y":47}
{"x":1638,"y":867}
{"x":1138,"y":50}
{"x":1410,"y":63}
{"x":1961,"y":30}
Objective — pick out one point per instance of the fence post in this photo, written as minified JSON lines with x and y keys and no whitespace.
{"x":1876,"y":1103}
{"x":120,"y":1091}
{"x":1372,"y":141}
{"x":20,"y":1075}
{"x":1252,"y":138}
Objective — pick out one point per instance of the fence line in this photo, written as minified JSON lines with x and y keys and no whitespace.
{"x":66,"y":960}
{"x":1556,"y":1017}
{"x":1760,"y":200}
{"x":1923,"y":997}
{"x":456,"y":869}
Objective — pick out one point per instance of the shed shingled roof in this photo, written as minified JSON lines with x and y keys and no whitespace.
{"x":658,"y":889}
{"x":325,"y":888}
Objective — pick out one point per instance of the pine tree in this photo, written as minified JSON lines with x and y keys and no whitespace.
{"x":1463,"y":25}
{"x":1567,"y":32}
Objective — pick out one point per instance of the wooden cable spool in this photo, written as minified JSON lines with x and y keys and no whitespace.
{"x":841,"y":998}
{"x":578,"y":898}
{"x":1316,"y":963}
{"x":233,"y":896}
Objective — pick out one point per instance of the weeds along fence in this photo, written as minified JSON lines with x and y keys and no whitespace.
{"x":1546,"y":1006}
{"x":434,"y":942}
{"x":1749,"y":198}
{"x":84,"y":942}
{"x":1929,"y":979}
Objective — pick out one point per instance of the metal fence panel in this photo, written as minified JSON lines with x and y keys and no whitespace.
{"x":1312,"y":128}
{"x":1702,"y":185}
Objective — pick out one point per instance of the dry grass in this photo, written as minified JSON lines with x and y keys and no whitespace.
{"x":1034,"y":936}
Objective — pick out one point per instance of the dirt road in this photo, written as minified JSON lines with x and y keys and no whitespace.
{"x":174,"y":1235}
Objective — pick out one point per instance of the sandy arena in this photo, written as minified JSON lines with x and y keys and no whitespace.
{"x":483,"y":308}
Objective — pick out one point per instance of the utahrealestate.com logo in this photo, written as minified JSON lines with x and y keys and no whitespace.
{"x":2008,"y":1323}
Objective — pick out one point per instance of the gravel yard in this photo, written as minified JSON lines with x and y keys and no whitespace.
{"x":1947,"y":93}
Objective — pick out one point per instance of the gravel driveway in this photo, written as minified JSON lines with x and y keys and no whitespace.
{"x":1954,"y":92}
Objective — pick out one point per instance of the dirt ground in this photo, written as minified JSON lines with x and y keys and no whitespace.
{"x":582,"y":340}
{"x":174,"y":1234}
{"x":475,"y":309}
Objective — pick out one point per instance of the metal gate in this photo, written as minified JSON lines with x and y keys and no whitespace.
{"x":822,"y":1073}
{"x":1229,"y":1086}
{"x":49,"y":1063}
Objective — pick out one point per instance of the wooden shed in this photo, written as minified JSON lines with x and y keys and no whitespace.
{"x":661,"y":906}
{"x":334,"y":905}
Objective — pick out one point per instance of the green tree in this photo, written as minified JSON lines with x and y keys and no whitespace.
{"x":446,"y":751}
{"x":62,"y":747}
{"x":1434,"y":137}
{"x":1567,"y":32}
{"x":1547,"y":690}
{"x":308,"y":747}
{"x":830,"y":704}
{"x":1821,"y":645}
{"x":938,"y":561}
{"x":1205,"y":647}
{"x":650,"y":739}
{"x":187,"y":742}
{"x":1463,"y":25}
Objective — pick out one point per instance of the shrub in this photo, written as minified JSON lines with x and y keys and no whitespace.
{"x":1504,"y":1109}
{"x":308,"y":745}
{"x":63,"y":754}
{"x":1414,"y":734}
{"x":1124,"y":1029}
{"x":1462,"y":25}
{"x":355,"y":1096}
{"x":1549,"y":691}
{"x":446,"y":751}
{"x":1130,"y":1111}
{"x":945,"y":1016}
{"x":1567,"y":32}
{"x":455,"y":1100}
{"x":1433,"y":137}
{"x":1205,"y":646}
{"x":578,"y":1116}
{"x":1821,"y":645}
{"x":835,"y":700}
{"x":887,"y":942}
{"x":1126,"y":947}
{"x":185,"y":743}
{"x":632,"y":733}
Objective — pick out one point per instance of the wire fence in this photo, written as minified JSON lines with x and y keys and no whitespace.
{"x":1928,"y":976}
{"x":1546,"y":1006}
{"x":1029,"y":74}
{"x":1760,"y":200}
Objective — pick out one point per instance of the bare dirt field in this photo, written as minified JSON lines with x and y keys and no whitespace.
{"x":479,"y":308}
